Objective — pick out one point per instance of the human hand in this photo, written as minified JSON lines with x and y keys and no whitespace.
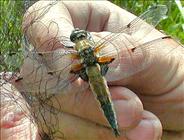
{"x":157,"y":97}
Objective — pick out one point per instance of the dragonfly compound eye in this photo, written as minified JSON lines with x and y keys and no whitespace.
{"x":78,"y":35}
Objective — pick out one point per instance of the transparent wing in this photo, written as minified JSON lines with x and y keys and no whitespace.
{"x":50,"y":58}
{"x":49,"y":72}
{"x":127,"y":46}
{"x":140,"y":26}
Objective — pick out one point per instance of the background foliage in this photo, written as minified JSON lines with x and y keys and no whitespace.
{"x":173,"y":25}
{"x":10,"y":34}
{"x":12,"y":13}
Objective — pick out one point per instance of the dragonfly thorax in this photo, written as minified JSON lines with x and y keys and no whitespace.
{"x":88,"y":57}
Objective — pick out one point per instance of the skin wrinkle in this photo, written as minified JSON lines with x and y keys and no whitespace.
{"x":171,"y":90}
{"x":17,"y":118}
{"x":163,"y":96}
{"x":148,"y":101}
{"x":104,"y":24}
{"x":72,"y":114}
{"x":70,"y":10}
{"x":90,"y":23}
{"x":89,"y":16}
{"x":113,"y":23}
{"x":176,"y":70}
{"x":157,"y":91}
{"x":133,"y":120}
{"x":104,"y":12}
{"x":142,"y":74}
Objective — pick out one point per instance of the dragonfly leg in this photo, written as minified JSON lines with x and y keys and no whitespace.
{"x":78,"y":69}
{"x":104,"y":61}
{"x":104,"y":69}
{"x":83,"y":75}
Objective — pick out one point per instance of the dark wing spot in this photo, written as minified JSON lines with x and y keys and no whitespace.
{"x":51,"y":73}
{"x":18,"y":79}
{"x":128,"y":25}
{"x":40,"y":54}
{"x":133,"y":49}
{"x":165,"y":37}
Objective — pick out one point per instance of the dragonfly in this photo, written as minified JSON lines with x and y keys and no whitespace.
{"x":83,"y":63}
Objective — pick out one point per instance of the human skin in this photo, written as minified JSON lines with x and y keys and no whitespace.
{"x":157,"y":89}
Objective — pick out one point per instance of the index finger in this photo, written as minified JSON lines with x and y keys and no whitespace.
{"x":46,"y":20}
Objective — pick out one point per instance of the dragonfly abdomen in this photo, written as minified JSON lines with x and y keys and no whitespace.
{"x":99,"y":87}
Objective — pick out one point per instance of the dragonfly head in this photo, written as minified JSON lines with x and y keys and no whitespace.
{"x":78,"y":35}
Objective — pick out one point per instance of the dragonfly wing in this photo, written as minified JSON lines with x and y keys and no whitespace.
{"x":140,"y":27}
{"x":48,"y":72}
{"x":117,"y":49}
{"x":145,"y":23}
{"x":138,"y":58}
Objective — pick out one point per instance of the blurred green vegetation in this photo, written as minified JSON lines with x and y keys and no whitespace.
{"x":173,"y":25}
{"x":10,"y":34}
{"x":12,"y":13}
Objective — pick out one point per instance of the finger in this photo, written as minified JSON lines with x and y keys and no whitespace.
{"x":127,"y":105}
{"x":44,"y":22}
{"x":149,"y":128}
{"x":14,"y":122}
{"x":98,"y":16}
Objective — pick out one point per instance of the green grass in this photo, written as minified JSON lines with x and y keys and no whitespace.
{"x":173,"y":25}
{"x":12,"y":13}
{"x":10,"y":35}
